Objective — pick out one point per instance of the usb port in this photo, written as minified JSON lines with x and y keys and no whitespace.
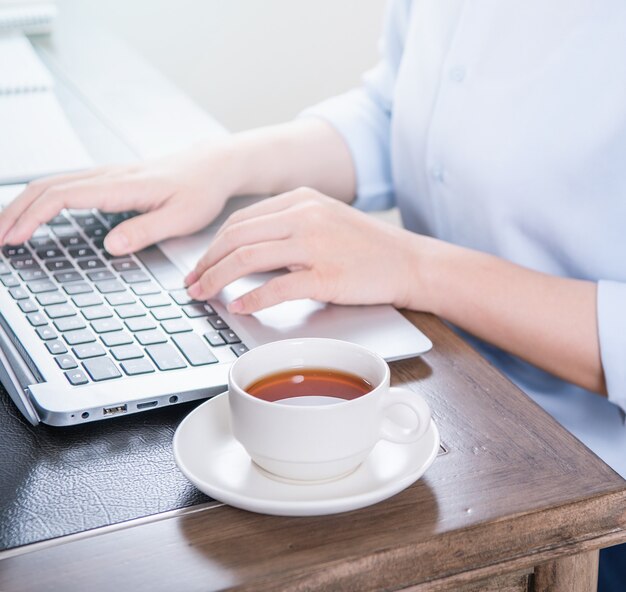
{"x":147,"y":405}
{"x":115,"y":410}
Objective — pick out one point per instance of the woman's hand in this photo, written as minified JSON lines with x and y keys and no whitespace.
{"x":176,"y":195}
{"x":332,"y":252}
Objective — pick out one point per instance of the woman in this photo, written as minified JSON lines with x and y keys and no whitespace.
{"x":499,"y":129}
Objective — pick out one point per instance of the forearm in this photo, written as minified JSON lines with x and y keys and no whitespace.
{"x":306,"y":152}
{"x":546,"y":320}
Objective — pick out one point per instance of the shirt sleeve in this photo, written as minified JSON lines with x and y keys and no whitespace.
{"x":611,"y":311}
{"x":363,"y":116}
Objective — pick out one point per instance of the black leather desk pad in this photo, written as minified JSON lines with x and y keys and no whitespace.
{"x":59,"y":481}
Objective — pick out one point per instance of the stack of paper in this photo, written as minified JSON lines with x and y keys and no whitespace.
{"x":35,"y":137}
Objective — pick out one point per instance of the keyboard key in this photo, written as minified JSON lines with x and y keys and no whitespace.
{"x":106,"y":325}
{"x":64,"y":230}
{"x":176,"y":326}
{"x":64,"y":277}
{"x":134,"y":277}
{"x":81,"y":251}
{"x":145,"y":289}
{"x":36,"y":319}
{"x":39,"y":286}
{"x":118,"y":298}
{"x":56,"y":347}
{"x":86,"y":219}
{"x":198,"y":309}
{"x":9,"y":281}
{"x":88,"y":350}
{"x":126,"y":265}
{"x":58,"y":220}
{"x":77,"y":288}
{"x":163,"y":270}
{"x":79,"y":337}
{"x":100,"y":275}
{"x":166,"y":312}
{"x":74,"y":240}
{"x":51,"y":298}
{"x":27,"y":305}
{"x":91,"y":263}
{"x":101,"y":369}
{"x":116,"y":338}
{"x":214,"y":338}
{"x":140,"y":324}
{"x":69,"y":323}
{"x":110,"y":287}
{"x":49,"y":253}
{"x":230,"y":336}
{"x":92,"y":313}
{"x":46,"y":332}
{"x":181,"y":297}
{"x":194,"y":349}
{"x":151,"y":337}
{"x":56,"y":311}
{"x":126,"y":352}
{"x":88,"y":299}
{"x":28,"y":275}
{"x":59,"y":265}
{"x":41,"y":242}
{"x":24,"y":263}
{"x":15,"y":251}
{"x":239,"y":349}
{"x":95,"y":232}
{"x":139,"y":366}
{"x":155,"y":300}
{"x":18,"y":293}
{"x":217,"y":322}
{"x":66,"y":362}
{"x":165,"y":356}
{"x":126,"y":311}
{"x":76,"y":377}
{"x":98,"y":243}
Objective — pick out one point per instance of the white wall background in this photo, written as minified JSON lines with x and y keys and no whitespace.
{"x":248,"y":62}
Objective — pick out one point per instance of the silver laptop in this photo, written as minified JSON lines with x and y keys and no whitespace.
{"x":85,"y":336}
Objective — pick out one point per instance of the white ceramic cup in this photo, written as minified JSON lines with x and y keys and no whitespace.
{"x":318,"y":442}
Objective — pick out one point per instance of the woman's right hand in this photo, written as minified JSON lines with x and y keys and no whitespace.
{"x":175,"y":195}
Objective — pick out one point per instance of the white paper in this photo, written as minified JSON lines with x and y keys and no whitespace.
{"x":20,"y":68}
{"x":36,"y":138}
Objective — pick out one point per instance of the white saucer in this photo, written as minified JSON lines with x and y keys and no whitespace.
{"x":210,"y":457}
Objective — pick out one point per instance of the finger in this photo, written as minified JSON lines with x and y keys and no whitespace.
{"x":149,"y":228}
{"x":115,"y":194}
{"x":267,"y":206}
{"x":249,"y":259}
{"x":291,"y":286}
{"x":33,"y":190}
{"x":264,"y":228}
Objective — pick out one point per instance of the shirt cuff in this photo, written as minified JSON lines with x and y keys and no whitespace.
{"x":611,"y":307}
{"x":365,"y":129}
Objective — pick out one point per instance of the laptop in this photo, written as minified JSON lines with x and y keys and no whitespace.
{"x":85,"y":336}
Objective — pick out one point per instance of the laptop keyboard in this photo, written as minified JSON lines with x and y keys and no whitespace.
{"x":103,"y":317}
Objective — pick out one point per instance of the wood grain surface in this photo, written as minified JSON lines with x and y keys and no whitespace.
{"x":515,"y":491}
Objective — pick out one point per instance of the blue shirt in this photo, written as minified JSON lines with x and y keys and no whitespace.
{"x":501,"y":126}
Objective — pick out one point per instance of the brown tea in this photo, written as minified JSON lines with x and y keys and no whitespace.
{"x":309,"y":386}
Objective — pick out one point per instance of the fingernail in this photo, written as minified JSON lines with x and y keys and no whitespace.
{"x":116,"y":243}
{"x":236,"y":306}
{"x":192,"y":278}
{"x":194,"y":290}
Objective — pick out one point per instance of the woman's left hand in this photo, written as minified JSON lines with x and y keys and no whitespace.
{"x":333,"y":253}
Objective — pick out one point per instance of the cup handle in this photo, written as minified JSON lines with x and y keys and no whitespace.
{"x":393,"y":432}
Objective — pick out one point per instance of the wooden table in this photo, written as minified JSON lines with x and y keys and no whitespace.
{"x":515,"y":504}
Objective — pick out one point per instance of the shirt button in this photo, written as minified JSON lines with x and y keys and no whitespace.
{"x":436,"y":173}
{"x":457,"y":74}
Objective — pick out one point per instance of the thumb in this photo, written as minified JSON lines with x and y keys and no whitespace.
{"x":146,"y":229}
